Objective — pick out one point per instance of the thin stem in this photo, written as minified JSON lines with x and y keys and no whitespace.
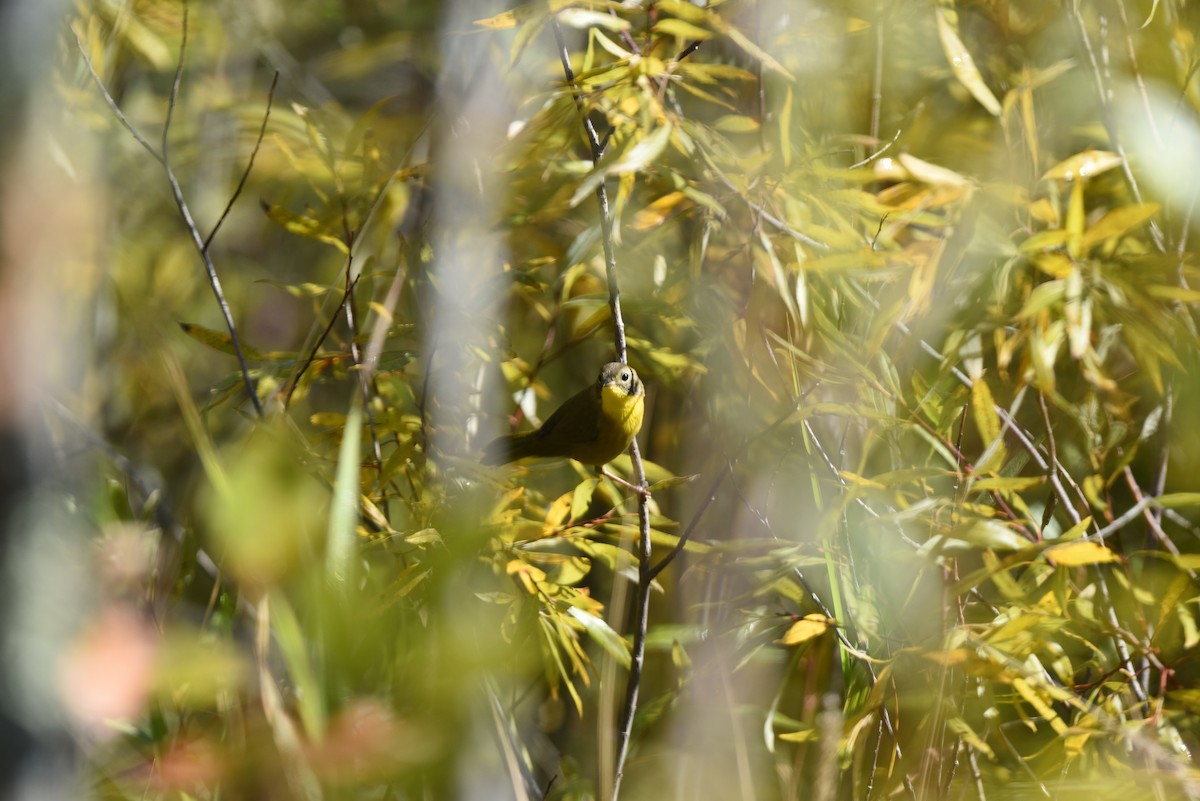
{"x":642,"y":604}
{"x":606,"y":237}
{"x":262,"y":130}
{"x":312,"y":354}
{"x":112,"y":104}
{"x":163,"y":158}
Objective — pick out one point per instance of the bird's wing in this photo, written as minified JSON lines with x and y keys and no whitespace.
{"x":576,"y":421}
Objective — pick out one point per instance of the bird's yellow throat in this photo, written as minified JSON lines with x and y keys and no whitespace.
{"x":622,"y":407}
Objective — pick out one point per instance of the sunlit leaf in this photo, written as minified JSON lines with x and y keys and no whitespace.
{"x":343,"y":511}
{"x":1118,"y":222}
{"x":576,"y":17}
{"x":961,"y":61}
{"x":737,"y":123}
{"x":557,"y":513}
{"x":683,"y":29}
{"x":304,"y":226}
{"x":809,"y":627}
{"x":928,"y":173}
{"x":1087,"y":164}
{"x":657,"y":212}
{"x":1080,"y":552}
{"x":522,"y":13}
{"x":1043,"y":296}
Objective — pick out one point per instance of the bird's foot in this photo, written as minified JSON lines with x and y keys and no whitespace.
{"x":643,"y":491}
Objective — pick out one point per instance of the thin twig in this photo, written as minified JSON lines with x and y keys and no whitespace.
{"x":262,"y":130}
{"x":185,"y":212}
{"x":706,"y":500}
{"x":112,"y":104}
{"x":312,"y":353}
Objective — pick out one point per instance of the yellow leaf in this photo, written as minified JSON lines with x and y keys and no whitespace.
{"x":984,"y":408}
{"x":749,"y":46}
{"x":583,"y":19}
{"x":684,"y":30}
{"x":1043,"y":708}
{"x":1083,"y":552}
{"x":528,"y":575}
{"x":861,"y":481}
{"x":657,"y":212}
{"x":1082,"y":165}
{"x":802,"y":736}
{"x":515,"y":16}
{"x":785,"y":128}
{"x":951,"y":658}
{"x":1167,"y":292}
{"x":1076,"y":531}
{"x":931,"y":174}
{"x":737,"y":123}
{"x":682,"y":9}
{"x":1117,"y":222}
{"x":1043,"y":211}
{"x":961,"y":728}
{"x":1055,"y":265}
{"x":806,"y":628}
{"x":1006,"y":483}
{"x":557,"y":513}
{"x":962,"y":63}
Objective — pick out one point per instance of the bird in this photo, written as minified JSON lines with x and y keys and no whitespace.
{"x":594,"y":426}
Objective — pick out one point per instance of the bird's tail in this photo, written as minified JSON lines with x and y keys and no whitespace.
{"x":510,"y":448}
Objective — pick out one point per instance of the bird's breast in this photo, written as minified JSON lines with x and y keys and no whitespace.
{"x":623,"y":409}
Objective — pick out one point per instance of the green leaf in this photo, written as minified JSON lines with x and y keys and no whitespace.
{"x":1007,"y":483}
{"x":343,"y":511}
{"x":302,"y":225}
{"x":603,"y":634}
{"x":1178,"y":500}
{"x":294,"y":647}
{"x":682,"y":29}
{"x":582,"y":497}
{"x":990,"y":534}
{"x":1043,"y":296}
{"x":638,"y":157}
{"x":221,"y":341}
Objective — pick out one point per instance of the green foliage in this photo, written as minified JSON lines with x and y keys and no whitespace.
{"x":914,"y":305}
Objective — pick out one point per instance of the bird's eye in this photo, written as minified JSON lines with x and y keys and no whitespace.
{"x":624,"y":375}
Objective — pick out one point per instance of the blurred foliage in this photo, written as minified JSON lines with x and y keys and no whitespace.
{"x":910,"y":285}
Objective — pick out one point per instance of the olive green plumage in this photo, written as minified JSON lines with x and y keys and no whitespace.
{"x":594,"y":426}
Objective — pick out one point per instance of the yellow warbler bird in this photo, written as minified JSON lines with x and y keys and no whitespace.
{"x":594,"y":426}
